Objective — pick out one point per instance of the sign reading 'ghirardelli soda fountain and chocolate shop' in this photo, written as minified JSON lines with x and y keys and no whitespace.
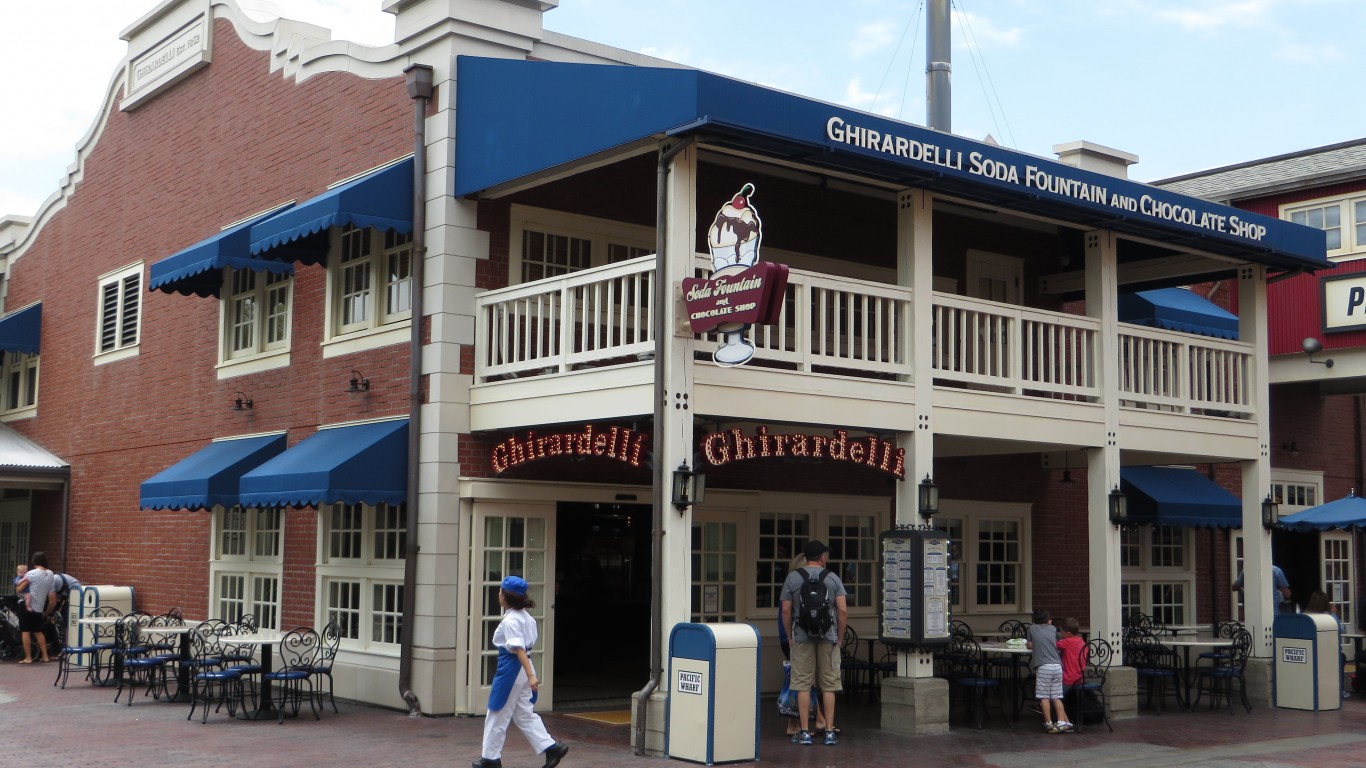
{"x":742,"y":290}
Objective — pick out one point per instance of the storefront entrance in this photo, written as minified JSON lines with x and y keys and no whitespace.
{"x":602,"y":603}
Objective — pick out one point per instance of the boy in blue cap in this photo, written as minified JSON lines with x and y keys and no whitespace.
{"x":515,"y":684}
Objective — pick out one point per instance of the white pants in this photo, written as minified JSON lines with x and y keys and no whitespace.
{"x":518,"y":709}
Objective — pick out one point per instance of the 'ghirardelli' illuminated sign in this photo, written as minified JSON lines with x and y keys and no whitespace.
{"x":743,"y":290}
{"x":617,"y":443}
{"x":722,"y":448}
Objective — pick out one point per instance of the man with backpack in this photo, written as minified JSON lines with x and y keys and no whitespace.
{"x":815,"y":609}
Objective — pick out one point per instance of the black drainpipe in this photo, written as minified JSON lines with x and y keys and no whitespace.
{"x":419,"y":79}
{"x":661,"y":295}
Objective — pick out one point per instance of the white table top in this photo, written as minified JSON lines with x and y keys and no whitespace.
{"x":258,"y":638}
{"x":1003,"y":648}
{"x":179,"y":629}
{"x":100,"y":621}
{"x":1212,"y":642}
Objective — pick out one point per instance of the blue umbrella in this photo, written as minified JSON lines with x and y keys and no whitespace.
{"x":1347,"y":512}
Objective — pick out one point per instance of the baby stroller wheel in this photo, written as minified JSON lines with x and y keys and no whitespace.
{"x":8,"y":652}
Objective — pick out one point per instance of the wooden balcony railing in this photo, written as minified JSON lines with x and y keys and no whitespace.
{"x":1184,"y":373}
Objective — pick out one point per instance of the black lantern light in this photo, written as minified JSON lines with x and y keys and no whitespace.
{"x":688,"y":487}
{"x":929,"y":498}
{"x":1119,"y":506}
{"x":1271,"y":513}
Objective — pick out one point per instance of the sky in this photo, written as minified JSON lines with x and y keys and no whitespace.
{"x":1186,"y":85}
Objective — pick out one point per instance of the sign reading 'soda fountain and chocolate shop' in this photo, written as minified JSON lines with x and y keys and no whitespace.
{"x":742,"y":290}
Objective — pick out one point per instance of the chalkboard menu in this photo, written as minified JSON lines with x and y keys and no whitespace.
{"x":914,"y":610}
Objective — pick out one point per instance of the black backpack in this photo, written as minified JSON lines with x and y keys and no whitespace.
{"x":813,"y":604}
{"x":62,"y":585}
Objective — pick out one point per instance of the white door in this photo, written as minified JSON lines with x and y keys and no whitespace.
{"x":1335,"y":573}
{"x":1236,"y":557}
{"x":14,"y":525}
{"x":715,"y":567}
{"x":994,"y":277}
{"x":511,"y":540}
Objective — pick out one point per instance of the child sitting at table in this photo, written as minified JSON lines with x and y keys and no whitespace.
{"x":1046,"y":665}
{"x":1072,"y":649}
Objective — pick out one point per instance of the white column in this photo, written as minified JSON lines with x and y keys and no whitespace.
{"x":915,"y":269}
{"x":1102,"y":464}
{"x":1258,"y":608}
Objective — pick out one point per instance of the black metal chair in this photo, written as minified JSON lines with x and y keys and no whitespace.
{"x":95,"y":654}
{"x":967,"y":673}
{"x":1218,"y":679}
{"x":298,"y":655}
{"x":856,"y":672}
{"x":241,"y":658}
{"x":143,"y":665}
{"x":1156,"y":666}
{"x":1012,"y":669}
{"x":211,"y":683}
{"x":1226,"y":630}
{"x":1099,"y":653}
{"x":327,"y":655}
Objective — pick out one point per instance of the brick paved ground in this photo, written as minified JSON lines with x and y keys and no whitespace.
{"x":81,"y":726}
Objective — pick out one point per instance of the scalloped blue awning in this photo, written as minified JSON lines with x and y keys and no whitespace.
{"x":382,"y":199}
{"x":1346,"y":512}
{"x":21,"y":330}
{"x":1179,"y":497}
{"x":359,"y":464}
{"x":1177,"y":309}
{"x":198,"y":270}
{"x":210,"y":476}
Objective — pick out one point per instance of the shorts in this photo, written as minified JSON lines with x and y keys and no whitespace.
{"x":1048,"y":682}
{"x":31,"y":621}
{"x":816,"y":665}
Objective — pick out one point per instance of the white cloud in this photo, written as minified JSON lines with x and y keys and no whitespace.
{"x":1211,"y":16}
{"x":871,"y":38}
{"x":985,"y":32}
{"x":855,"y":96}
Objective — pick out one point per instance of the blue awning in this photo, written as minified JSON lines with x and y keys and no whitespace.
{"x":1346,"y":512}
{"x":1177,"y":309}
{"x":382,"y":199}
{"x":501,"y":108}
{"x":210,"y":476}
{"x":198,"y":270}
{"x":1179,"y":497}
{"x":20,"y":330}
{"x":360,"y":464}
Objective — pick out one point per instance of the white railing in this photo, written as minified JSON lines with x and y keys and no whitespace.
{"x":1014,"y":349}
{"x":1183,"y":373}
{"x":586,"y":318}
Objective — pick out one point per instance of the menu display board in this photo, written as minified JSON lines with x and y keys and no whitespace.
{"x":914,"y":610}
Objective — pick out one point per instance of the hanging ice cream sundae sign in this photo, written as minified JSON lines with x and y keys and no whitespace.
{"x":742,"y":290}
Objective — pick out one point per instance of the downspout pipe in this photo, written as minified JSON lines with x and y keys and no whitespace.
{"x":420,"y":88}
{"x":661,"y":295}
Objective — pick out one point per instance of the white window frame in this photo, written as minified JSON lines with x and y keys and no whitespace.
{"x":971,"y":517}
{"x":717,"y":571}
{"x":263,"y":353}
{"x":1145,"y":574}
{"x":1291,"y":489}
{"x":25,"y":403}
{"x":364,"y":568}
{"x":1351,"y":247}
{"x":127,"y":286}
{"x":381,"y":326}
{"x":601,"y":234}
{"x":817,"y":515}
{"x":254,"y":561}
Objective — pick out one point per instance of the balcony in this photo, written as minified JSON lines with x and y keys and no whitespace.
{"x":587,"y":335}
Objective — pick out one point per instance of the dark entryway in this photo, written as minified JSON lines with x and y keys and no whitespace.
{"x":602,"y":603}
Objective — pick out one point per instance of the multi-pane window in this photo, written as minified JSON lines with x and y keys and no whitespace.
{"x":370,"y":280}
{"x":120,"y":301}
{"x":1290,"y":494}
{"x":1338,"y":581}
{"x":247,"y":564}
{"x":362,"y":573}
{"x":258,"y":308}
{"x":1342,"y":219}
{"x":853,"y":556}
{"x":551,"y":243}
{"x":1158,"y":573}
{"x":715,"y":571}
{"x":20,"y":376}
{"x":998,"y":563}
{"x":987,"y":573}
{"x":782,"y":536}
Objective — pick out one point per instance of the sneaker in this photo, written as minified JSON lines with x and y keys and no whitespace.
{"x":802,"y":737}
{"x":831,"y":739}
{"x":485,"y":762}
{"x":555,"y":753}
{"x":1051,"y":728}
{"x":1065,"y":727}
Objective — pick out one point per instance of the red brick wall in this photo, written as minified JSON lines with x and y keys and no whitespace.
{"x":231,"y":140}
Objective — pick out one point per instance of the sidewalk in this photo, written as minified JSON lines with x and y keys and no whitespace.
{"x":82,"y":726}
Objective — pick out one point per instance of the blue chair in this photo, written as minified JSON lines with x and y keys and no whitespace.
{"x":298,"y":656}
{"x":327,"y":655}
{"x":94,"y":654}
{"x":1218,"y":679}
{"x":967,"y":673}
{"x":1156,"y":666}
{"x":1099,"y":653}
{"x":143,"y":665}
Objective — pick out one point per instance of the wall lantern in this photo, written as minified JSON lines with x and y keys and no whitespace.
{"x":1271,"y":513}
{"x":929,"y":498}
{"x":359,"y":383}
{"x":1312,"y":346}
{"x":688,"y":487}
{"x":241,"y":402}
{"x":1119,"y":506}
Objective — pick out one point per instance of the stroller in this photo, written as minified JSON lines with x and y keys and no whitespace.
{"x":11,"y":640}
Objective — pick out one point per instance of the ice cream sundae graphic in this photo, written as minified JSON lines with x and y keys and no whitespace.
{"x":734,"y":242}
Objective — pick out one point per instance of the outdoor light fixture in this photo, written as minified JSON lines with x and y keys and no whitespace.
{"x":241,"y":403}
{"x":359,"y":383}
{"x":1119,"y":506}
{"x":929,"y":498}
{"x":688,"y":487}
{"x":1312,"y":347}
{"x":1271,"y":513}
{"x":1291,"y":447}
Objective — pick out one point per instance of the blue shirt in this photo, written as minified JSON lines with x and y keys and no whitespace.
{"x":1278,"y":582}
